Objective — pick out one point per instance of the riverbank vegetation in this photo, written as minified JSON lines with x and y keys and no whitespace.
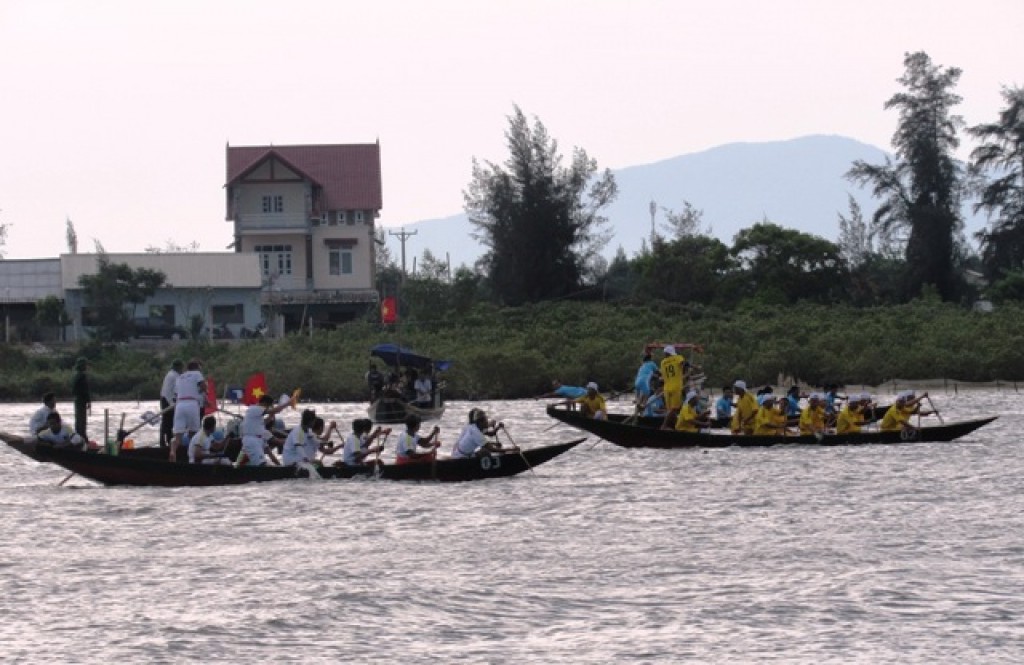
{"x":504,"y":353}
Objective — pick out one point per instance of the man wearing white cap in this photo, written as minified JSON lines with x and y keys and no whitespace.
{"x":851,"y":417}
{"x":672,"y":374}
{"x":746,"y":409}
{"x":812,"y":417}
{"x":689,"y":419}
{"x":592,"y":404}
{"x":897,"y":416}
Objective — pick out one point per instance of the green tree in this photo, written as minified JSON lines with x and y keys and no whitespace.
{"x":1001,"y":155}
{"x":50,"y":313}
{"x":787,"y":265}
{"x":920,"y":190}
{"x":688,"y":222}
{"x":114,"y":291}
{"x":690,"y":269}
{"x":539,"y":220}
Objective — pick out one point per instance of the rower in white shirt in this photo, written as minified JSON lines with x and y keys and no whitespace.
{"x":38,"y":420}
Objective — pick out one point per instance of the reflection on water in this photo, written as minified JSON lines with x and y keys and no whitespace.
{"x":870,"y":554}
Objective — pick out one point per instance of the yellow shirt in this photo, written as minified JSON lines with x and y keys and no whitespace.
{"x":743,"y":414}
{"x":686,"y":421}
{"x":849,"y":420}
{"x":812,"y":419}
{"x":591,"y":405}
{"x":672,"y":374}
{"x":769,"y":420}
{"x":895,"y":418}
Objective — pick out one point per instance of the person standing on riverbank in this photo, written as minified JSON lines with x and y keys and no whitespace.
{"x":83,"y":397}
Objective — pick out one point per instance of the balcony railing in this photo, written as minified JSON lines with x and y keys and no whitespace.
{"x":290,"y":222}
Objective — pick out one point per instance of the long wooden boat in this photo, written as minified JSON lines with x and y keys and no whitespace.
{"x":622,"y":430}
{"x":148,"y":466}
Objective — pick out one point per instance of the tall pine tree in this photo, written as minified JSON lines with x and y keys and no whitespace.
{"x":538,"y":219}
{"x":921,"y":189}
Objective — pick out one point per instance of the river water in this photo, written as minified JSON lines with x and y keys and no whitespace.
{"x":875,"y":554}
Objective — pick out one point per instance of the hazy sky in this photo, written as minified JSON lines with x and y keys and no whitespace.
{"x":116,"y":113}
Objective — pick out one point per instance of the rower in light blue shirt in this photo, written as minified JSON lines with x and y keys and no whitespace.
{"x":558,"y":389}
{"x":723,"y":406}
{"x":642,"y":383}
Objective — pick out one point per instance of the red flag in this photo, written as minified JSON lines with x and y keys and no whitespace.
{"x":255,"y":387}
{"x":388,"y":310}
{"x":211,"y":393}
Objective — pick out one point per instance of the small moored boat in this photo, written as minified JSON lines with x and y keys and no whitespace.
{"x":390,"y":405}
{"x":149,"y":466}
{"x":628,"y":432}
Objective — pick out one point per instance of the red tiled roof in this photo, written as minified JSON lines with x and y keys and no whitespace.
{"x":349,"y":174}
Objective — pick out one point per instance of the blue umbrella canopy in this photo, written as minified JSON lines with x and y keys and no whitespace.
{"x":394,"y":355}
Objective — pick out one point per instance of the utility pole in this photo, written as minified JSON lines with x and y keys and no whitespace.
{"x":402,"y":236}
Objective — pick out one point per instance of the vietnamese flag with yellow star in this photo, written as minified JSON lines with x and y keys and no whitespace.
{"x":388,"y":310}
{"x":255,"y":387}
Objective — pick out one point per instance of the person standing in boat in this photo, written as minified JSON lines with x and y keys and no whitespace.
{"x":689,"y":418}
{"x":256,"y":438}
{"x":82,"y":396}
{"x":424,"y":387}
{"x":673,"y":374}
{"x":59,"y":435}
{"x":38,"y":421}
{"x":897,"y":417}
{"x":190,"y":395}
{"x":642,"y":383}
{"x":473,"y":439}
{"x":167,"y":402}
{"x":745,"y":411}
{"x":412,"y":447}
{"x":375,"y":382}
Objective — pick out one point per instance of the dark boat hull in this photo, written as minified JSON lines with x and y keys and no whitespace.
{"x":617,"y":430}
{"x":392,"y":410}
{"x":142,"y":469}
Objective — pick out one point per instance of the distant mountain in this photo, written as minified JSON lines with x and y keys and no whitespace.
{"x":797,"y":184}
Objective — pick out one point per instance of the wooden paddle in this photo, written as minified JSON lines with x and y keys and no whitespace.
{"x":519,"y":450}
{"x":932,"y":404}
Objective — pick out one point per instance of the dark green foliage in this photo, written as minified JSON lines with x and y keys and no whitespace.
{"x":1001,"y":155}
{"x":515,"y":352}
{"x":920,"y":190}
{"x":112,"y":293}
{"x":538,"y":219}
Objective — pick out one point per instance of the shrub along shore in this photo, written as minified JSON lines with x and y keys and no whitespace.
{"x":515,"y":352}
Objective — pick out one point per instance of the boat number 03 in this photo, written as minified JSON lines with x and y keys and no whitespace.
{"x":487,"y":462}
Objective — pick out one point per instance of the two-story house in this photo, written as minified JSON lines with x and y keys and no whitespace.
{"x":308,"y":212}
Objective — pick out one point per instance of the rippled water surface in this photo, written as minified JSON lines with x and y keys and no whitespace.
{"x":875,"y":554}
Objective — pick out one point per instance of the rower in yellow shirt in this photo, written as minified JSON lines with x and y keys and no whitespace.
{"x":812,"y":418}
{"x":897,"y":417}
{"x":770,"y":419}
{"x":851,"y":417}
{"x":745,"y":411}
{"x":689,"y":418}
{"x":592,"y":404}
